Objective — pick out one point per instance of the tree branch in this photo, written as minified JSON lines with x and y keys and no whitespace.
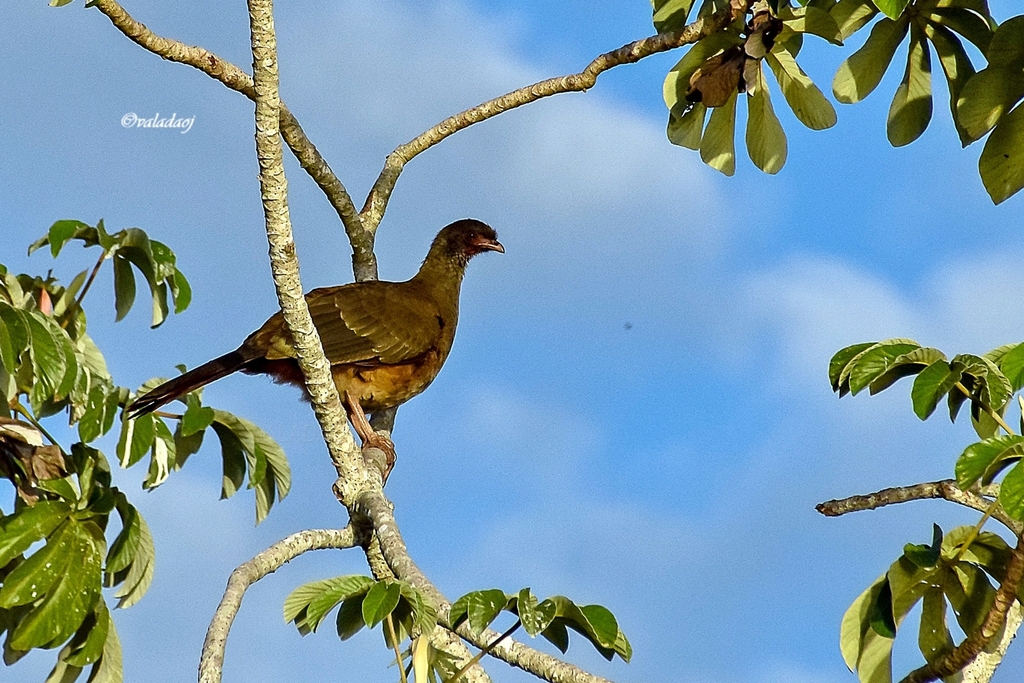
{"x":962,"y":655}
{"x":946,"y":489}
{"x":267,"y":562}
{"x":380,"y":193}
{"x":284,"y":264}
{"x":376,"y":507}
{"x":364,"y":262}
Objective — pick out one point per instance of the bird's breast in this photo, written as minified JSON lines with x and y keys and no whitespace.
{"x":382,"y":386}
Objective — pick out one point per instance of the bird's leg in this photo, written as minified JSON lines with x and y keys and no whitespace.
{"x":370,"y":437}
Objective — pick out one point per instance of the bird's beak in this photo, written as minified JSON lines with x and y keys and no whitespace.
{"x":490,"y":245}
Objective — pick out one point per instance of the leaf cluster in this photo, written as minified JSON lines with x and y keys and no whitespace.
{"x":54,"y":556}
{"x":724,"y":65}
{"x":550,"y":618}
{"x":954,"y":570}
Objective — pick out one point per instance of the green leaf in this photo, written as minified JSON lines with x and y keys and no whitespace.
{"x":717,"y":148}
{"x":109,"y":668}
{"x":197,"y":417}
{"x":978,"y":459}
{"x":864,"y":651}
{"x":1011,"y":492}
{"x":911,"y":108}
{"x":1002,"y":161}
{"x":932,"y":384}
{"x":671,"y":15}
{"x":686,"y":130}
{"x":968,"y":24}
{"x":31,"y":579}
{"x":123,"y":550}
{"x":839,"y":366}
{"x":766,"y":141}
{"x":872,"y":363}
{"x":234,"y":461}
{"x":350,"y":618}
{"x":852,"y":15}
{"x":1012,"y":365}
{"x":59,"y":234}
{"x":810,"y":19}
{"x":557,"y":635}
{"x":971,"y":595}
{"x":269,"y":472}
{"x":1007,"y":45}
{"x":28,"y":525}
{"x":957,"y":67}
{"x":934,"y":639}
{"x":892,"y":8}
{"x":136,"y":439}
{"x":162,"y":456}
{"x":69,"y":599}
{"x":536,"y":617}
{"x":180,"y":290}
{"x":808,"y":103}
{"x":910,"y":363}
{"x":124,"y":287}
{"x":925,"y":556}
{"x":424,"y":614}
{"x":482,"y":607}
{"x":862,"y":71}
{"x":87,"y":646}
{"x":140,"y":573}
{"x":380,"y":601}
{"x":881,"y":617}
{"x":308,"y":604}
{"x":986,"y":97}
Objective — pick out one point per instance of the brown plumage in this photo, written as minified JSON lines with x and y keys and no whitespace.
{"x":386,"y":341}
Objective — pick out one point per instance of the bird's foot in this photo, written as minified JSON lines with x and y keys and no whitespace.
{"x":370,"y":437}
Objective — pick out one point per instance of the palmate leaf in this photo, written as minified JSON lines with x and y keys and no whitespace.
{"x":938,"y":574}
{"x":130,"y":248}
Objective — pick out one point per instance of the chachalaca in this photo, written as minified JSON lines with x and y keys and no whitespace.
{"x":385,"y":341}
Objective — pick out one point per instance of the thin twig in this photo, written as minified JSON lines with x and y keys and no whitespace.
{"x":946,"y":489}
{"x":85,"y":290}
{"x":480,"y":655}
{"x":248,"y":573}
{"x":987,"y":408}
{"x":380,"y":193}
{"x":363,"y":259}
{"x":389,"y":622}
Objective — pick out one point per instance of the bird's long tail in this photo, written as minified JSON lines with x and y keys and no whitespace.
{"x":190,"y":381}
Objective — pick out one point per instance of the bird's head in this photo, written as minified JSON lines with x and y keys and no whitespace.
{"x":462,"y":240}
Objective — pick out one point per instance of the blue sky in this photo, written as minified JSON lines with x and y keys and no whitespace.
{"x":668,"y":470}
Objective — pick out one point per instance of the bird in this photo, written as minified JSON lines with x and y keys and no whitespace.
{"x":385,"y":341}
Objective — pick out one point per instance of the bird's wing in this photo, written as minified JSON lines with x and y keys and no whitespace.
{"x":368,"y":322}
{"x":394,"y":319}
